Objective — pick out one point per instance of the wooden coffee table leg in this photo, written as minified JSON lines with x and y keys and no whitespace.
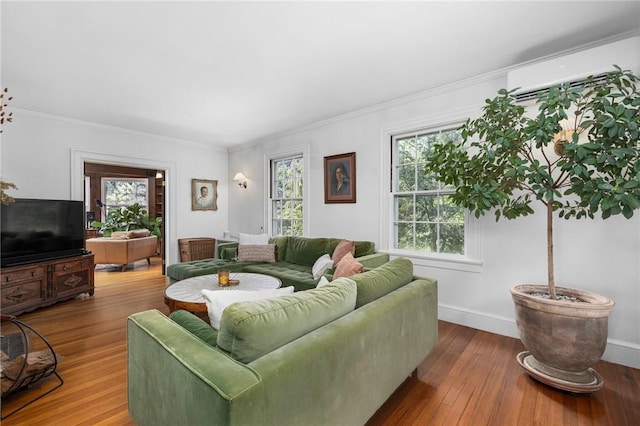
{"x":198,"y":309}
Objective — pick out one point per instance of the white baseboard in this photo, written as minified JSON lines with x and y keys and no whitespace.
{"x":619,"y":352}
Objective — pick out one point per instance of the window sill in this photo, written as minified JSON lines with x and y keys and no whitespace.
{"x":450,"y":262}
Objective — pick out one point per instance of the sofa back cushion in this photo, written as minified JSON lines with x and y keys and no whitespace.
{"x":382,"y":280}
{"x":281,"y":246}
{"x":305,"y":251}
{"x":249,"y":330}
{"x":363,"y":248}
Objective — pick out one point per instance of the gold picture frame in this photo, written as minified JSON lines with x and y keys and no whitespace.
{"x":204,"y":194}
{"x":340,"y":178}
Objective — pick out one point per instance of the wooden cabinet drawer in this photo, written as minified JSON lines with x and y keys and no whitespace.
{"x":73,"y":265}
{"x":23,"y":295}
{"x":12,"y":275}
{"x":26,"y":287}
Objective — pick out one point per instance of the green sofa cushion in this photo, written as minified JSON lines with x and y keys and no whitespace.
{"x":305,"y":251}
{"x":281,"y":246}
{"x":184,"y":270}
{"x":382,"y":280}
{"x":196,"y":326}
{"x":289,"y":273}
{"x":249,"y":330}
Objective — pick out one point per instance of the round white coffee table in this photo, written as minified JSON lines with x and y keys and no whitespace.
{"x":187,"y":294}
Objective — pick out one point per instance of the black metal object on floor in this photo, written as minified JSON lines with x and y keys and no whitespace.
{"x":27,"y":358}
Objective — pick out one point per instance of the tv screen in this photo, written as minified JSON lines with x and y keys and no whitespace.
{"x":35,"y":230}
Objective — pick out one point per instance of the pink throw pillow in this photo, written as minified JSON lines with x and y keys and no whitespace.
{"x":343,"y":247}
{"x":348,"y":266}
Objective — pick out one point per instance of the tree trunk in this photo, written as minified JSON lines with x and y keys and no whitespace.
{"x":551,"y":278}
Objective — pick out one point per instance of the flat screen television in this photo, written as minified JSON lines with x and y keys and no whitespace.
{"x":35,"y":230}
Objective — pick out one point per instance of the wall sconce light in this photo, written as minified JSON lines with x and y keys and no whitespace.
{"x":159,"y":174}
{"x":566,"y":135}
{"x":241,"y":179}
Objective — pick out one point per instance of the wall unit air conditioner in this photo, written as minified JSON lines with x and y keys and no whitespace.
{"x":575,"y":67}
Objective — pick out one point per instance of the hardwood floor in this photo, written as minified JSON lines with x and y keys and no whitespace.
{"x":471,"y":378}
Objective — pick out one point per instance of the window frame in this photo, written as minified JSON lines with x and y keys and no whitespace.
{"x":293,"y":198}
{"x":438,"y":193}
{"x":302,"y":151}
{"x":471,"y":260}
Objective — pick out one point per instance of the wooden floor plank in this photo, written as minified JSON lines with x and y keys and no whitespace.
{"x":471,"y":377}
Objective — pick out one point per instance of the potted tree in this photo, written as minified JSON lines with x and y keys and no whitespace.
{"x":579,"y":156}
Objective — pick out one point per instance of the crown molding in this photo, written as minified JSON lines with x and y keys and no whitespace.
{"x":112,"y":128}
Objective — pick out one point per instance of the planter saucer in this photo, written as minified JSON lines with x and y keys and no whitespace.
{"x":593,"y":385}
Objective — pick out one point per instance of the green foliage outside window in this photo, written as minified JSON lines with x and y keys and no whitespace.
{"x":286,"y":200}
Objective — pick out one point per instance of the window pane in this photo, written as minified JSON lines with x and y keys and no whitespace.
{"x":426,"y":182}
{"x":427,"y":208}
{"x":404,"y":234}
{"x":406,"y":178}
{"x":423,"y":146}
{"x":278,"y":189}
{"x":406,"y":149}
{"x":404,"y":207}
{"x":426,"y":237}
{"x":452,"y":238}
{"x":450,"y":212}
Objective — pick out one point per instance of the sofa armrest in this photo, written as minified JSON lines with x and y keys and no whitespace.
{"x":176,"y":378}
{"x":373,"y":260}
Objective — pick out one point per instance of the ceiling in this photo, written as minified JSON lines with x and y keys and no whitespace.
{"x":228,"y":73}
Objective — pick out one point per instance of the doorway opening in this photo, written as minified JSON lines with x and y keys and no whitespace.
{"x":109,"y":188}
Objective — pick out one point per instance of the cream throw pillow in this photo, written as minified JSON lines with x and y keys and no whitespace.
{"x":218,"y":300}
{"x":323,"y":281}
{"x":253,"y":239}
{"x":321,"y":265}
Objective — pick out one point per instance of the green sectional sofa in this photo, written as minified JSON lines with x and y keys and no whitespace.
{"x":295,"y":258}
{"x":326,"y":356}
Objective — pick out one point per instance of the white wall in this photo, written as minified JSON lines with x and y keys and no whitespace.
{"x":38,"y":152}
{"x":601,"y":256}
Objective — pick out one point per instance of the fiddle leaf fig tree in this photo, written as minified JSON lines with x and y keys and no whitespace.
{"x":578,"y":154}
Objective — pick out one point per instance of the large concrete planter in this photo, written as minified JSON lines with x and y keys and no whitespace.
{"x":564,"y":338}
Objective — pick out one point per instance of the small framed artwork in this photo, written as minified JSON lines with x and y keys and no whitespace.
{"x":340,"y":178}
{"x":204,"y":194}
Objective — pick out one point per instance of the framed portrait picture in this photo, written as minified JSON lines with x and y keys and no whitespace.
{"x":340,"y":178}
{"x":204,"y":194}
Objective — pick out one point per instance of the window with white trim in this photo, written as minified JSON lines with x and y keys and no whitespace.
{"x":424,"y":218}
{"x":124,"y":192}
{"x":287,"y":204}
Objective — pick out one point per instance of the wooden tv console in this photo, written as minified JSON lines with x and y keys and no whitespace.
{"x":34,"y":285}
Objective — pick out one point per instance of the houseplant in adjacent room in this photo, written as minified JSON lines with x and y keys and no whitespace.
{"x":579,"y":156}
{"x":127,"y":219}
